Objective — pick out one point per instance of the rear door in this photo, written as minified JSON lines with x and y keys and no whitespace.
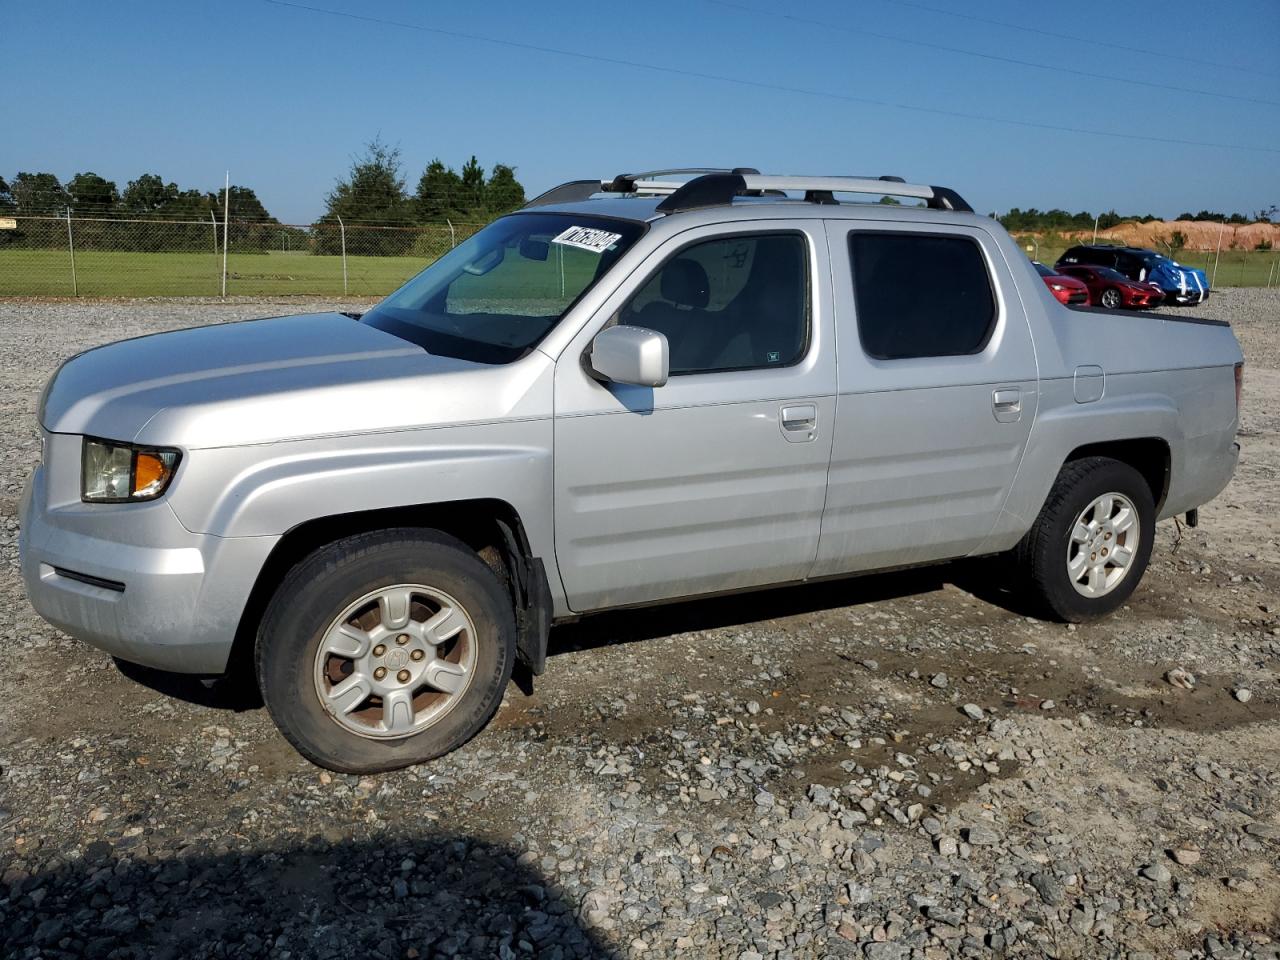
{"x":937,"y":394}
{"x":716,"y":480}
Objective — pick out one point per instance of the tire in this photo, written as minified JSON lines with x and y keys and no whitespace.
{"x":396,"y":584}
{"x":1111,"y":299}
{"x":1053,"y":545}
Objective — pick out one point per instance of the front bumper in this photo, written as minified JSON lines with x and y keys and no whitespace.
{"x":131,"y":580}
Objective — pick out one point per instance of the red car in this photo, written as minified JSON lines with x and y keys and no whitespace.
{"x":1068,"y":290}
{"x":1111,"y":289}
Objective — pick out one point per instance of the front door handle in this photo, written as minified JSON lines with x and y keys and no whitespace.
{"x":799,"y":421}
{"x":1006,"y":404}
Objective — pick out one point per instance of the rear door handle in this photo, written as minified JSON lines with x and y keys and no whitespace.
{"x":1006,"y":403}
{"x":799,"y":421}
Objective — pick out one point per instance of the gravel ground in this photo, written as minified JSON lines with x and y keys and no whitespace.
{"x":901,"y":766}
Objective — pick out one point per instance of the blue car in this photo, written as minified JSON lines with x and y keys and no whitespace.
{"x":1181,"y":285}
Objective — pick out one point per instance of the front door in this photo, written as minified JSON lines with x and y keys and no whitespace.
{"x":937,"y":394}
{"x":716,"y":480}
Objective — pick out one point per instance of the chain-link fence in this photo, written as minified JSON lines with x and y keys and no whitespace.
{"x":65,"y":256}
{"x":50,"y":256}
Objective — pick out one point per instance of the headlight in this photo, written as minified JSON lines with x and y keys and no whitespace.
{"x":122,"y":473}
{"x":1056,"y":286}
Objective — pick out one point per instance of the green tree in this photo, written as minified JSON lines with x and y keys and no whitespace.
{"x":6,"y":197}
{"x":1177,"y":240}
{"x":373,"y":189}
{"x":147,"y":194}
{"x":472,"y":199}
{"x":890,"y":201}
{"x":39,"y":193}
{"x":439,"y":189}
{"x":504,"y":192}
{"x":245,"y":205}
{"x":92,"y":194}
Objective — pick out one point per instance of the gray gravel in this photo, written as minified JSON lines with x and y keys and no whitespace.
{"x":864,"y":769}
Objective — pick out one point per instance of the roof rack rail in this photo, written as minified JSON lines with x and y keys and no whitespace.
{"x":646,"y":182}
{"x":714,"y":187}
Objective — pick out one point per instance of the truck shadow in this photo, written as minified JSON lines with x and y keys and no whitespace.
{"x":984,"y":578}
{"x":438,"y":896}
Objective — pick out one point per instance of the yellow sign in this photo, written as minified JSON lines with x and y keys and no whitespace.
{"x":8,"y":223}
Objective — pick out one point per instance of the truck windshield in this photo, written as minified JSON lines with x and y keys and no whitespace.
{"x":492,"y":298}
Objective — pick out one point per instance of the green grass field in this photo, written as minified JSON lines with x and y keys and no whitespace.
{"x":47,"y":273}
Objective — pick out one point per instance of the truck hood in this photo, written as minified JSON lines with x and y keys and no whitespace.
{"x":267,"y":380}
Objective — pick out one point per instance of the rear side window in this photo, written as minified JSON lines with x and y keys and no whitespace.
{"x":921,"y":295}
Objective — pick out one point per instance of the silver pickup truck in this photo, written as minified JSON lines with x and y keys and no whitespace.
{"x":636,"y":390}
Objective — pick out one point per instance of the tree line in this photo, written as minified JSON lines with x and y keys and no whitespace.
{"x":1058,"y":221}
{"x":90,"y":195}
{"x":373,"y":191}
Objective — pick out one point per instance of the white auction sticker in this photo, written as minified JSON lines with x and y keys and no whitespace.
{"x":588,"y":238}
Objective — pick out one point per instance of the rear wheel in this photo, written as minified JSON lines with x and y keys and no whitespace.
{"x":1111,"y":298}
{"x":385,"y":649}
{"x":1091,"y":542}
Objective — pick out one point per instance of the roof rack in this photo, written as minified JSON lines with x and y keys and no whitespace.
{"x":712,"y":187}
{"x":642,"y":184}
{"x":718,"y":188}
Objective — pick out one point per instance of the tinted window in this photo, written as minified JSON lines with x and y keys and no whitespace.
{"x":920,"y":295}
{"x":734,"y":303}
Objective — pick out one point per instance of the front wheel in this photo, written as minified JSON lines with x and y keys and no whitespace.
{"x":1111,"y":299}
{"x":1091,"y":542}
{"x":385,"y":649}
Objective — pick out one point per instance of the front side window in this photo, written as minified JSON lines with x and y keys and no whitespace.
{"x":921,"y":295}
{"x":732,"y":303}
{"x":492,"y":298}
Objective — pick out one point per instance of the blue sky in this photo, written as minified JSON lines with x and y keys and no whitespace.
{"x":283,"y":97}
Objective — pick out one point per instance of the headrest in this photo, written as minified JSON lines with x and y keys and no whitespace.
{"x":684,"y":282}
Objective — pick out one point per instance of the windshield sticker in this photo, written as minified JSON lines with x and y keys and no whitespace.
{"x":587,"y":238}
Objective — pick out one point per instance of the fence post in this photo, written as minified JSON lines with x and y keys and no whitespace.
{"x":214,"y":220}
{"x":453,"y":237}
{"x":226,"y":233}
{"x":1217,"y":256}
{"x":71,"y":248}
{"x":342,"y":233}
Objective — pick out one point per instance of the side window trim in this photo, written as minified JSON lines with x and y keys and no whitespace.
{"x":993,"y":324}
{"x":808,"y":268}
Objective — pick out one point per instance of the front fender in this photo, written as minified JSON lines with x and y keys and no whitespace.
{"x":268,"y":490}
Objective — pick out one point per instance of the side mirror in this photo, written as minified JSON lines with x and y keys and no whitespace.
{"x":631,"y":355}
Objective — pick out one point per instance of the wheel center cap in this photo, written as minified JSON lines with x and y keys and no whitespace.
{"x":395,"y":659}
